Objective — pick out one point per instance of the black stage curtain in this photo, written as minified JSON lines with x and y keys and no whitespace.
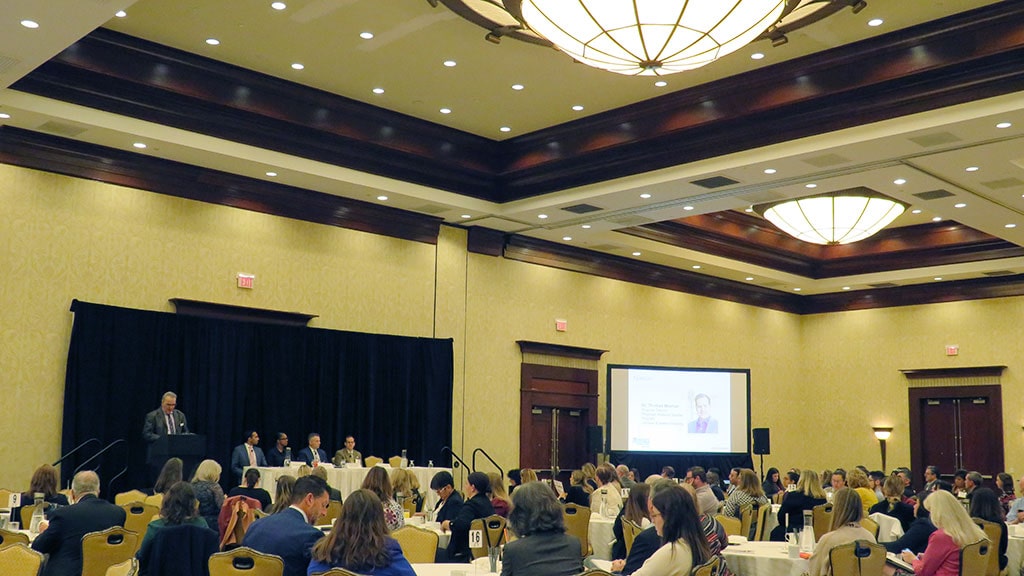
{"x":390,"y":392}
{"x":648,"y":463}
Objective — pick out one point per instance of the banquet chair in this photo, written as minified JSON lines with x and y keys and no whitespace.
{"x":493,"y":528}
{"x":5,"y":497}
{"x":761,"y":517}
{"x":245,"y":561}
{"x":822,"y":520}
{"x":129,"y":497}
{"x":372,"y":461}
{"x":994,"y":533}
{"x":729,"y":524}
{"x":137,"y":518}
{"x":395,"y":461}
{"x":409,"y":505}
{"x":778,"y":496}
{"x":629,"y":532}
{"x":20,"y":560}
{"x":101,"y":550}
{"x":710,"y":568}
{"x":577,"y":523}
{"x":129,"y":567}
{"x":860,"y":558}
{"x":10,"y":538}
{"x":870,"y":525}
{"x":746,"y":520}
{"x":335,"y":572}
{"x":333,"y":511}
{"x":418,"y":545}
{"x":26,"y":514}
{"x":154,"y":500}
{"x":974,"y":558}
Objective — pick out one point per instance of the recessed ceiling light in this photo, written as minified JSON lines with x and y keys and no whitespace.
{"x":450,"y":63}
{"x":585,"y":226}
{"x":971,"y":169}
{"x":542,"y":216}
{"x":846,"y":287}
{"x":938,"y":277}
{"x":505,"y":129}
{"x":636,"y":253}
{"x":899,"y":181}
{"x":446,"y":110}
{"x":810,"y":185}
{"x":797,"y":289}
{"x":378,"y":90}
{"x":696,"y":266}
{"x":770,"y":170}
{"x":120,"y":13}
{"x":517,"y":86}
{"x":213,"y":41}
{"x":4,"y":115}
{"x":749,"y":278}
{"x":1003,"y":125}
{"x":661,"y":83}
{"x":875,"y":22}
{"x":139,"y":145}
{"x":567,"y":238}
{"x":578,"y":107}
{"x":278,"y":5}
{"x":271,"y":174}
{"x":915,"y":211}
{"x":464,"y":216}
{"x":30,"y":24}
{"x":382,"y":198}
{"x":959,"y":205}
{"x":756,"y":56}
{"x":937,"y":219}
{"x":687,"y":207}
{"x":645,"y":195}
{"x":297,"y":66}
{"x":1010,"y":226}
{"x":366,"y":35}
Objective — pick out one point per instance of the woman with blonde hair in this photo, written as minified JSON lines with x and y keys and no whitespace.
{"x":748,"y":493}
{"x":407,"y":487}
{"x":893,"y":505}
{"x":528,"y":475}
{"x":205,"y":483}
{"x":589,"y":477}
{"x":847,"y":512}
{"x":954,"y":530}
{"x":283,"y":497}
{"x":858,"y":480}
{"x":499,"y":497}
{"x":807,"y":495}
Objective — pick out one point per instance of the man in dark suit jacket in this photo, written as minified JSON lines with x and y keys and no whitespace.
{"x":290,"y":533}
{"x":62,"y":537}
{"x":477,"y":505}
{"x":307,"y":453}
{"x":246,"y":453}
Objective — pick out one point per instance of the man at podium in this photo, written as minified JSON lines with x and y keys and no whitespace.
{"x":162,"y":422}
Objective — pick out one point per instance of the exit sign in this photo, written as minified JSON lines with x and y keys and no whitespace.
{"x":246,"y":281}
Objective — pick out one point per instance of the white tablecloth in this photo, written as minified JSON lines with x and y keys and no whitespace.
{"x":763,"y":559}
{"x":889,"y":528}
{"x":479,"y":566}
{"x":1014,"y":554}
{"x":348,"y":480}
{"x":601,"y":536}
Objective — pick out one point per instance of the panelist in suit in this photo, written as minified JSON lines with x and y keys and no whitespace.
{"x":348,"y":454}
{"x":62,"y":537}
{"x":312,"y":454}
{"x":290,"y":533}
{"x":247,"y":453}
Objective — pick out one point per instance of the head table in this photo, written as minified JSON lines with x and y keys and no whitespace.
{"x":348,"y":480}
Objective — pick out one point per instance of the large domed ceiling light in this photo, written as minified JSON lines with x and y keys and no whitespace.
{"x":645,"y":37}
{"x":838,"y":217}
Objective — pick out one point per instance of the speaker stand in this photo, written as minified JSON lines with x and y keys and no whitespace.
{"x":762,"y":468}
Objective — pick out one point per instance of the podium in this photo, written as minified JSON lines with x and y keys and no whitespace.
{"x":189,"y":447}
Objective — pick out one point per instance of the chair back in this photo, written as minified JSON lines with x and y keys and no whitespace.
{"x":245,"y":561}
{"x":336,"y":572}
{"x":129,"y":567}
{"x":418,"y":545}
{"x":409,"y":505}
{"x":5,"y":497}
{"x":372,"y":461}
{"x":822,"y":515}
{"x":129,"y":497}
{"x":994,"y":533}
{"x":713,"y":567}
{"x":20,"y":560}
{"x":26,"y":514}
{"x":629,"y":532}
{"x":761,"y":518}
{"x":974,"y":558}
{"x":333,"y":512}
{"x":746,"y":520}
{"x":395,"y":461}
{"x":236,"y":514}
{"x":870,"y":525}
{"x":154,"y":500}
{"x":860,"y":558}
{"x":137,"y":518}
{"x":729,"y":524}
{"x":10,"y":538}
{"x":577,"y":523}
{"x":493,"y":528}
{"x":778,"y":496}
{"x":101,"y":550}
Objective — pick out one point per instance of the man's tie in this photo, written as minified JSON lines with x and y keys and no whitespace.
{"x":316,"y":456}
{"x":170,"y":424}
{"x":252,"y":455}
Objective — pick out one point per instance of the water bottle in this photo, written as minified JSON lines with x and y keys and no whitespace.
{"x":807,"y":535}
{"x":287,"y":457}
{"x":430,"y":463}
{"x":37,"y":515}
{"x":405,"y":459}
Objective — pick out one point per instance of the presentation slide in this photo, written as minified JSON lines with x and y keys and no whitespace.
{"x":687,"y":410}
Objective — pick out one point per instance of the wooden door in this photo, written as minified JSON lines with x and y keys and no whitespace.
{"x":557,"y":406}
{"x":957,"y":427}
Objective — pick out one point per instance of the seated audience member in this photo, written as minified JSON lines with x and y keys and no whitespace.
{"x":290,"y":533}
{"x":378,"y":482}
{"x":283,"y":495}
{"x":973,"y":481}
{"x":248,"y":453}
{"x":634,"y":511}
{"x":178,"y":507}
{"x":321,"y":473}
{"x":210,"y":495}
{"x":826,"y":480}
{"x":542,"y":547}
{"x":359,"y":541}
{"x":908,"y":481}
{"x":668,"y":472}
{"x":61,"y":538}
{"x":514,"y":480}
{"x":576,"y":494}
{"x":477,"y":506}
{"x":707,"y":503}
{"x":348,"y":454}
{"x":893,"y":505}
{"x":985,"y":505}
{"x":250,"y":487}
{"x":858,"y":481}
{"x":772,"y":484}
{"x":960,"y":483}
{"x":715,"y":482}
{"x":589,"y":477}
{"x":312,"y":454}
{"x":499,"y":498}
{"x":837,"y":481}
{"x":747,"y":493}
{"x":169,"y":475}
{"x":275,"y":456}
{"x":303,"y":470}
{"x":407,"y":487}
{"x":807,"y":495}
{"x":607,"y":497}
{"x":954,"y":530}
{"x":847,"y":512}
{"x":877,"y":479}
{"x":1004,"y":482}
{"x":915,"y":538}
{"x":931,"y":475}
{"x":44,"y":481}
{"x":622,"y":471}
{"x":676,"y":519}
{"x":449,"y":501}
{"x":647,"y":542}
{"x":1015,"y":515}
{"x":528,"y":475}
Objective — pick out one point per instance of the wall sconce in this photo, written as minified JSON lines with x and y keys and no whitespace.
{"x":882,"y":434}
